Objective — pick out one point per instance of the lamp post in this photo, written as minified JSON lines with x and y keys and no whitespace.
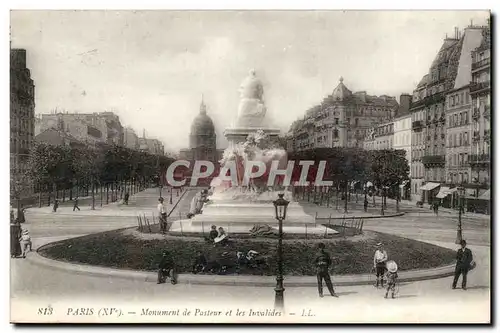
{"x":460,"y":191}
{"x":171,"y":189}
{"x":365,"y":202}
{"x":280,"y":206}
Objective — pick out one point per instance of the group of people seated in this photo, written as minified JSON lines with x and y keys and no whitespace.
{"x":218,"y":236}
{"x":226,"y":262}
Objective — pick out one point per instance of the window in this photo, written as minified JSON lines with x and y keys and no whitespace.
{"x":336,"y":121}
{"x":348,"y":121}
{"x":466,"y":139}
{"x":467,"y":97}
{"x":356,"y":121}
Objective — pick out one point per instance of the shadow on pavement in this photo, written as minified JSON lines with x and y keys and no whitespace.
{"x":347,"y":293}
{"x":406,"y":296}
{"x":478,"y":287}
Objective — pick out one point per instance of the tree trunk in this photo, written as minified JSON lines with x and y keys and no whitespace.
{"x":71,"y":193}
{"x":346,"y":193}
{"x":93,"y":196}
{"x":39,"y":198}
{"x":337,"y":198}
{"x":107,"y":193}
{"x":100,"y":190}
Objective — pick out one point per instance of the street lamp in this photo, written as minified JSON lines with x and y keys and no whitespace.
{"x":280,"y":206}
{"x":171,"y":189}
{"x":460,"y":192}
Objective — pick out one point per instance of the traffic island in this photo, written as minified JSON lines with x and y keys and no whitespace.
{"x":125,"y":250}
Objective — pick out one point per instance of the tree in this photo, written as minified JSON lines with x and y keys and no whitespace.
{"x":389,"y":169}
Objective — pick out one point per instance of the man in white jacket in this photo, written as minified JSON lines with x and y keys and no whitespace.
{"x":379,"y":261}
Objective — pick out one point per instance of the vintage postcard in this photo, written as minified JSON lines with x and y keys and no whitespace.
{"x":270,"y":166}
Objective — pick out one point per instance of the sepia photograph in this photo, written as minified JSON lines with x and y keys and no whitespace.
{"x":250,"y":166}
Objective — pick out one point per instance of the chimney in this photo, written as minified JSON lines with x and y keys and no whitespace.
{"x":404,"y":104}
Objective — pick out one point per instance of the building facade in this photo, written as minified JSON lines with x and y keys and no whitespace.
{"x":90,"y":128}
{"x":130,"y":139}
{"x":448,"y":73}
{"x":22,"y":114}
{"x":458,"y":124}
{"x":402,"y":141}
{"x":343,"y":119}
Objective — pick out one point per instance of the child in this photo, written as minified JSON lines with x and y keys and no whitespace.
{"x":25,"y":241}
{"x":392,"y":277}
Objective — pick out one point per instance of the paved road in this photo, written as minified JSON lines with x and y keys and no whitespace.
{"x":417,"y":302}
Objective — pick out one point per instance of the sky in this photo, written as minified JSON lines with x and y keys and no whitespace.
{"x":152,"y":67}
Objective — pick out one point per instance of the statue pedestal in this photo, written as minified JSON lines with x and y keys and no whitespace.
{"x":239,"y":134}
{"x":239,"y":217}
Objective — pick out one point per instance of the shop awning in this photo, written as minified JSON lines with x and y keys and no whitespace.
{"x":443,"y":192}
{"x":429,"y":186}
{"x":485,"y":196}
{"x":404,"y":183}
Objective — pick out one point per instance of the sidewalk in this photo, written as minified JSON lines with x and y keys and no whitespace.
{"x":441,"y":209}
{"x":144,"y":202}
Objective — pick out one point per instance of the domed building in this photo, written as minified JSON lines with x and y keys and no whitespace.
{"x":202,"y":139}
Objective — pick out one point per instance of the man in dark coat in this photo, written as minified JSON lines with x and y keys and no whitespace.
{"x":323,"y":263}
{"x":166,"y":268}
{"x":464,"y":260}
{"x":200,"y":263}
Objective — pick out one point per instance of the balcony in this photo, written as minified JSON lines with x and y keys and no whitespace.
{"x":475,"y":114}
{"x":429,"y":100}
{"x":417,"y":126}
{"x":481,"y":158}
{"x":475,"y":136}
{"x":476,"y":87}
{"x":433,"y":159}
{"x":486,"y":112}
{"x":487,"y":135}
{"x":481,"y":63}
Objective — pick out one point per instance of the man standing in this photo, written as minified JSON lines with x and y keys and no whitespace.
{"x":379,"y":261}
{"x":75,"y":205}
{"x":464,"y":260}
{"x":162,"y":215}
{"x":323,"y":262}
{"x":125,"y":198}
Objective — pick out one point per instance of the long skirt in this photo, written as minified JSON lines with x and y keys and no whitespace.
{"x":15,"y":245}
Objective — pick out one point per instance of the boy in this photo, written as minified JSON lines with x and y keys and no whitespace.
{"x":25,"y":242}
{"x":392,"y":278}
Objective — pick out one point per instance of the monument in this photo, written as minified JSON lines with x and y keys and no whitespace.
{"x":251,"y":113}
{"x":240,"y":207}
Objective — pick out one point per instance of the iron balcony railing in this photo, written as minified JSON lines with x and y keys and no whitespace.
{"x":476,"y":86}
{"x":481,"y":63}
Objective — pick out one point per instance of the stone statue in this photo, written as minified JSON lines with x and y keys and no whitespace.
{"x":251,"y":110}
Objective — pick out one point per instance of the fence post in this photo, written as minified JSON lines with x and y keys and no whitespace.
{"x":315,"y":219}
{"x":362,"y":222}
{"x":330,"y":219}
{"x":203,"y":229}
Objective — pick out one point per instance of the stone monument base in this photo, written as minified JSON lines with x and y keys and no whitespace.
{"x":240,"y":218}
{"x":240,"y":134}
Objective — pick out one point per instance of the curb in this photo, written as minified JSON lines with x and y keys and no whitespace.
{"x":238,"y":280}
{"x":362,"y":217}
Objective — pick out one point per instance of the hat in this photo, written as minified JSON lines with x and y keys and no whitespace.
{"x":391,"y":266}
{"x":253,"y":252}
{"x":379,"y":244}
{"x":25,"y":231}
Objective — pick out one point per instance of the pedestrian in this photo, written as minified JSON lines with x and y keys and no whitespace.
{"x":200,"y":263}
{"x":365,"y":204}
{"x":20,"y":216}
{"x":323,"y":262}
{"x":15,"y":245}
{"x":464,"y":264}
{"x":379,"y":261}
{"x":56,"y":205}
{"x":25,"y":242}
{"x":75,"y":204}
{"x":392,"y":278}
{"x":162,"y":215}
{"x":213,"y":234}
{"x":125,"y":198}
{"x":166,"y":268}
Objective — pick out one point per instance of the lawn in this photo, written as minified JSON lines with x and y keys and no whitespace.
{"x":120,"y":249}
